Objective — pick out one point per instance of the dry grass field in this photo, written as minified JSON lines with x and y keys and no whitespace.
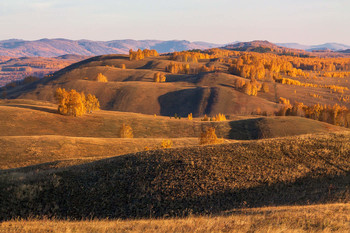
{"x":214,"y":179}
{"x":268,"y":173}
{"x":288,"y":219}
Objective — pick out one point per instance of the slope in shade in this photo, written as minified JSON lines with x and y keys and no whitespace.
{"x":178,"y":182}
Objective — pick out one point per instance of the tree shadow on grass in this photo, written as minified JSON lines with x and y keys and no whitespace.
{"x":32,"y":107}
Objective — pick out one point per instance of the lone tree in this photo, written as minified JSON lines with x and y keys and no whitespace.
{"x":209,"y":137}
{"x":73,"y":103}
{"x":126,"y":131}
{"x":101,"y":78}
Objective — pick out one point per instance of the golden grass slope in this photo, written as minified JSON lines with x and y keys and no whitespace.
{"x":313,"y":218}
{"x":33,"y":118}
{"x":58,"y":151}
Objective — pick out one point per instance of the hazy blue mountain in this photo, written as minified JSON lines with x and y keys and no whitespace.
{"x":329,"y":46}
{"x":58,"y":47}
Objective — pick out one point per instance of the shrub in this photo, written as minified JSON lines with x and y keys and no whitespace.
{"x":101,"y":78}
{"x":205,"y":118}
{"x":159,"y":77}
{"x":189,"y":116}
{"x":265,"y":87}
{"x":126,"y":131}
{"x":167,"y":143}
{"x":219,"y":117}
{"x":209,"y":137}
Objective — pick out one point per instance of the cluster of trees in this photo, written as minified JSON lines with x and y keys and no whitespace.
{"x":217,"y":117}
{"x":251,"y":87}
{"x":159,"y":77}
{"x":336,"y":114}
{"x":345,"y":99}
{"x":141,"y":54}
{"x":320,"y":64}
{"x":178,"y":68}
{"x":336,"y":74}
{"x":288,"y":81}
{"x":189,"y":56}
{"x":73,"y":103}
{"x":263,"y":66}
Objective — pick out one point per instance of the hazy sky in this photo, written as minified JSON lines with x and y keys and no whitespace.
{"x":220,"y":21}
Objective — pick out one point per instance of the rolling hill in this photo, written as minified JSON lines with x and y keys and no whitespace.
{"x":184,"y":181}
{"x":133,"y":90}
{"x":32,"y":133}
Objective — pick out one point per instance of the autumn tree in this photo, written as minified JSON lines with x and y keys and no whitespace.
{"x":126,"y":131}
{"x":159,"y":77}
{"x":73,"y":103}
{"x":166,"y":143}
{"x":265,"y":87}
{"x":101,"y":78}
{"x":208,"y":137}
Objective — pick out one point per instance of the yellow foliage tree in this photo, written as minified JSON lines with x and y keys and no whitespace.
{"x":219,"y":117}
{"x":167,"y":143}
{"x":159,"y":77}
{"x":101,"y":78}
{"x":126,"y":131}
{"x":189,"y":116}
{"x":265,"y":87}
{"x":73,"y":103}
{"x":208,"y":137}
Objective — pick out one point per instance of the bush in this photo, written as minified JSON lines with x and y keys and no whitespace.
{"x":126,"y":131}
{"x":189,"y":116}
{"x":209,"y":137}
{"x":205,"y":118}
{"x":159,"y":77}
{"x":101,"y":78}
{"x":265,"y":88}
{"x":219,"y":117}
{"x":167,"y":143}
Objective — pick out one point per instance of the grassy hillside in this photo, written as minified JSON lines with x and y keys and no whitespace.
{"x":133,"y":90}
{"x":183,"y":181}
{"x":29,"y":118}
{"x":61,"y":151}
{"x":314,"y":218}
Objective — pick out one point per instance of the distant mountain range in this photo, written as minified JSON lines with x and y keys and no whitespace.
{"x":326,"y":46}
{"x":59,"y":47}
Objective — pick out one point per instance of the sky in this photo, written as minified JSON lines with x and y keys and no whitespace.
{"x":217,"y":21}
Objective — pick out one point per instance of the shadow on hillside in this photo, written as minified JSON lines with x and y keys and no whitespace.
{"x":180,"y":102}
{"x":80,"y":198}
{"x":43,"y":109}
{"x":246,"y":129}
